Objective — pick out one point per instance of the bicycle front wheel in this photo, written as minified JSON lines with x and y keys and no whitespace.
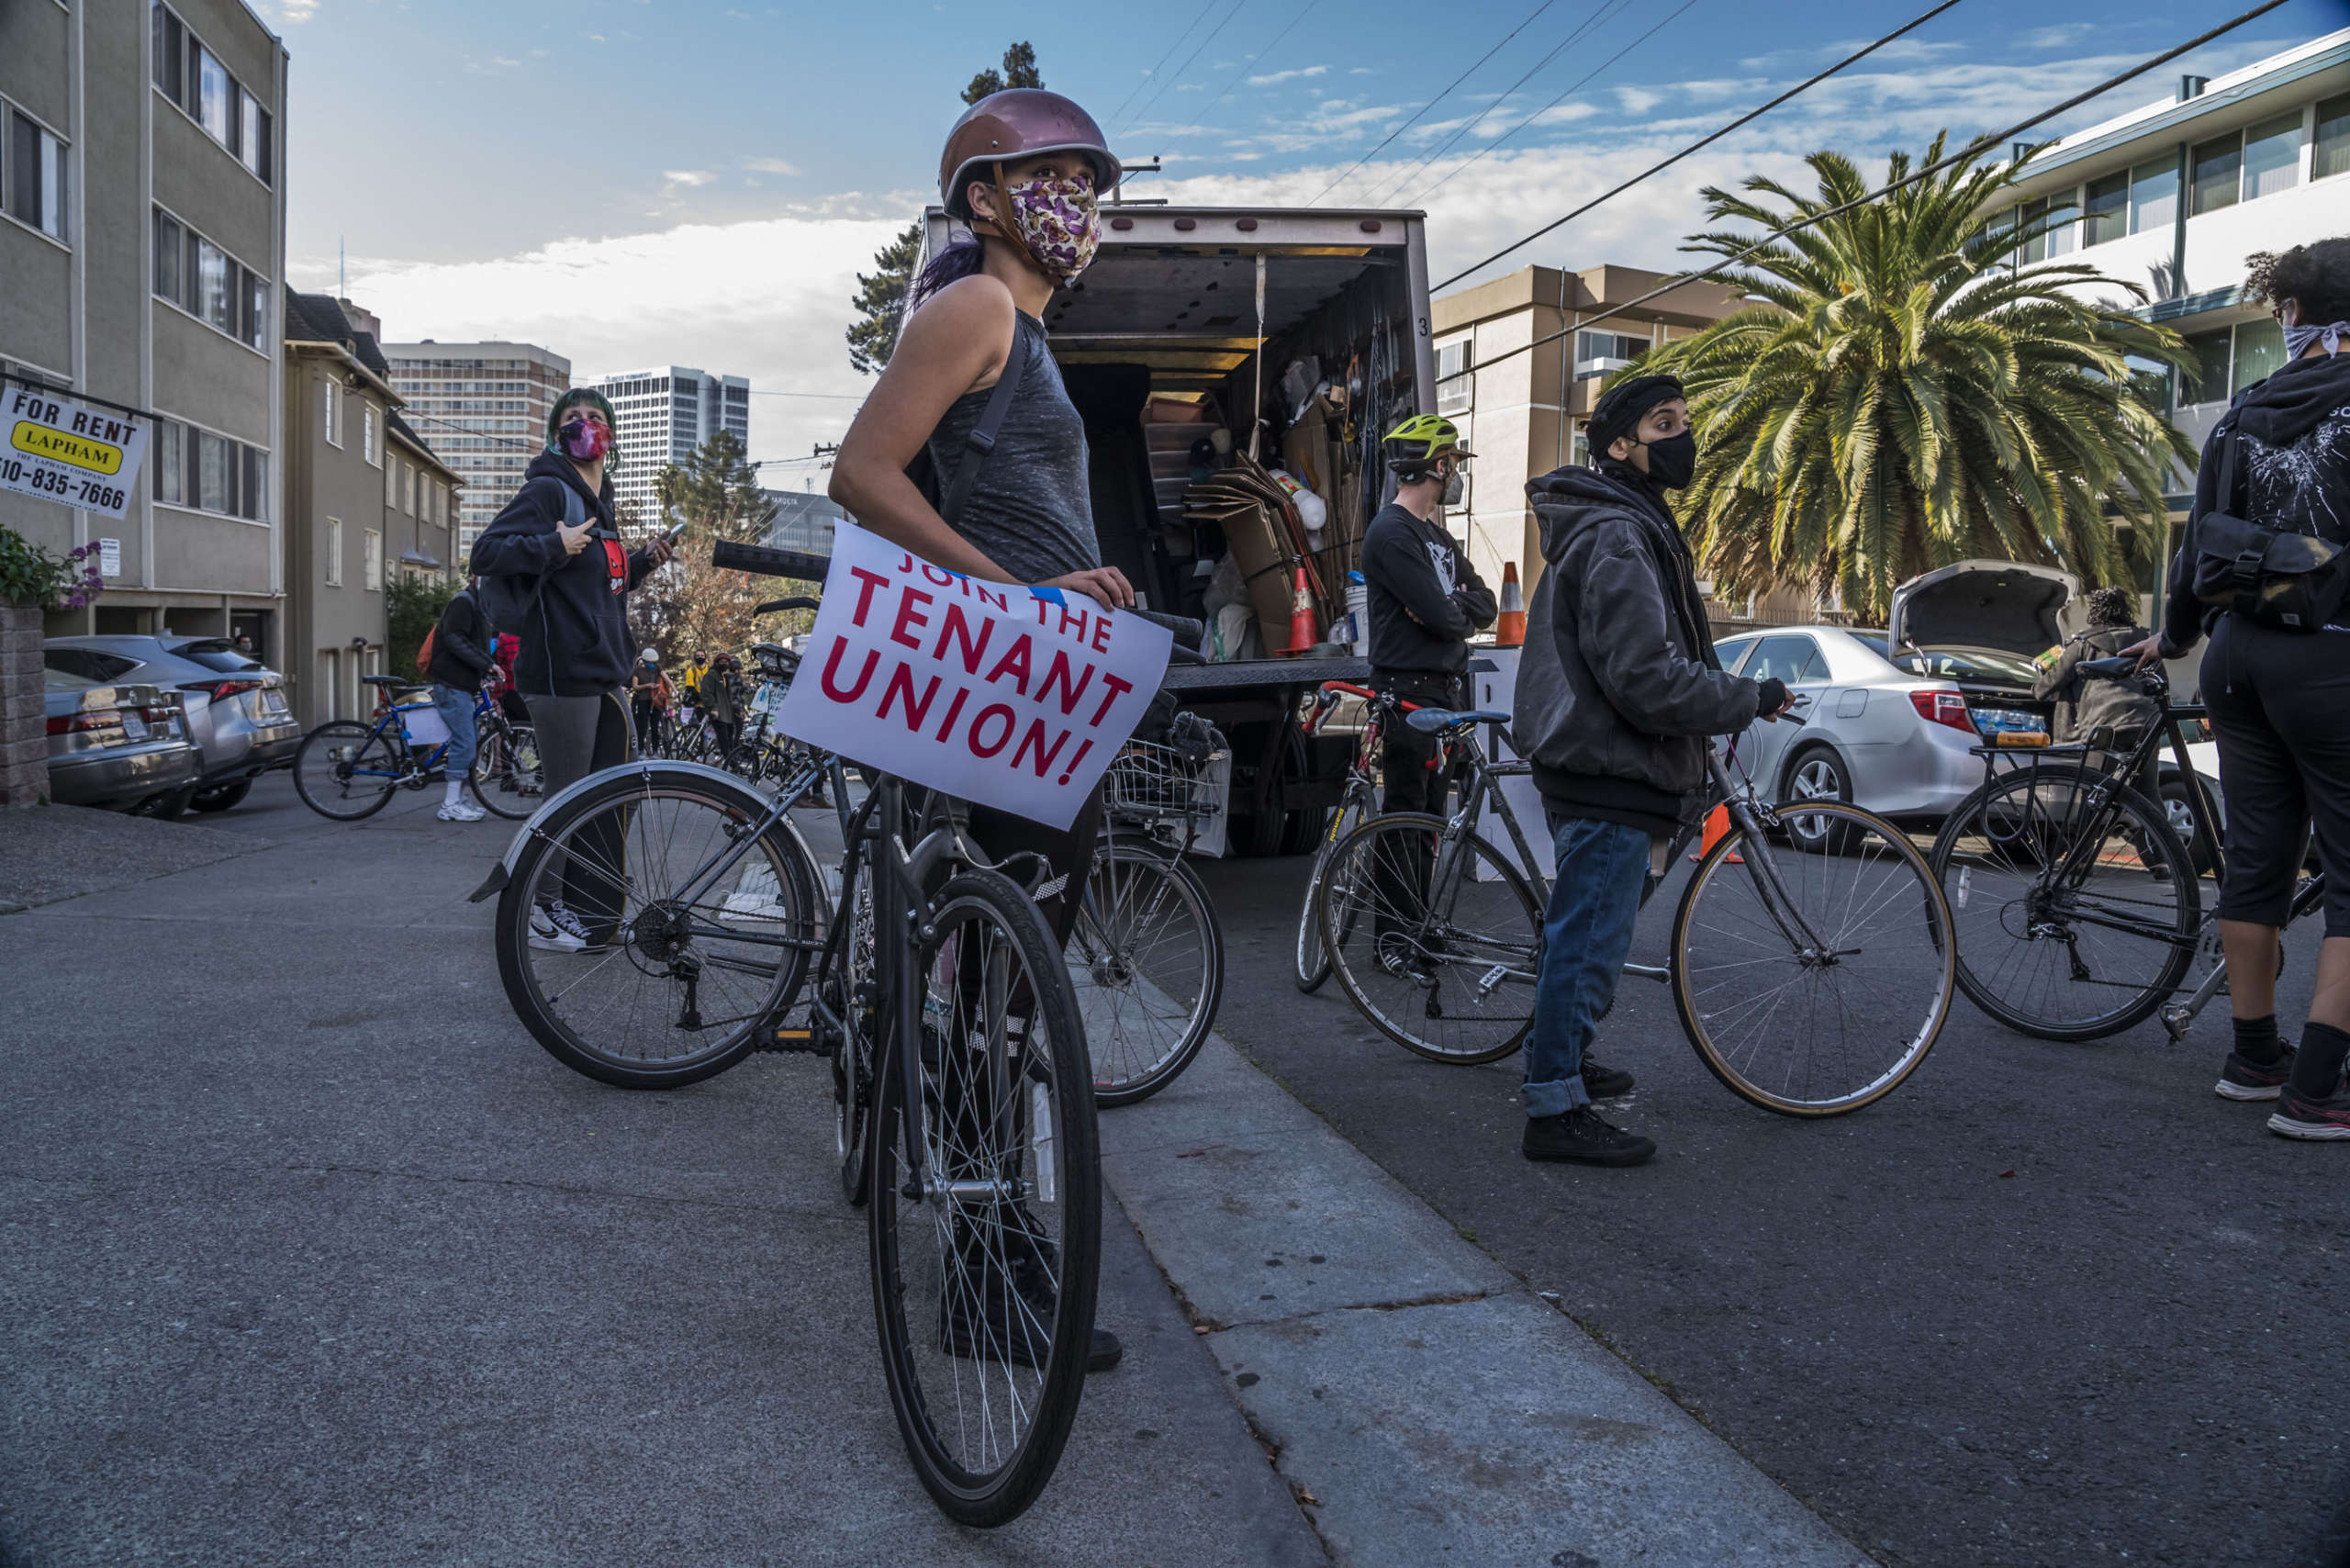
{"x":1813,"y":984}
{"x":984,"y":1278}
{"x":2075,"y":918}
{"x":1438,"y":949}
{"x":347,"y":771}
{"x":1147,"y":961}
{"x":1313,"y":959}
{"x":642,"y":941}
{"x":506,"y":778}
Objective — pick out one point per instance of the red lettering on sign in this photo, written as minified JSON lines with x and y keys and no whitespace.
{"x":1034,"y":741}
{"x":864,"y":677}
{"x":1015,"y":659}
{"x":1070,"y":612}
{"x":983,"y":749}
{"x":991,"y":596}
{"x":956,"y":628}
{"x":938,"y":577}
{"x":901,"y":683}
{"x":1117,"y":688}
{"x":1071,"y":771}
{"x":1100,"y":634}
{"x":910,"y":614}
{"x":870,"y":580}
{"x":1059,"y":673}
{"x":954,"y":710}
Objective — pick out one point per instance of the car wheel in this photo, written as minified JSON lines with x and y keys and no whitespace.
{"x":1816,"y":774}
{"x":165,"y":808}
{"x":220,"y":797}
{"x":2182,"y":821}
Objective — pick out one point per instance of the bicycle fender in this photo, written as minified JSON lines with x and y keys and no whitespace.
{"x":748,"y":797}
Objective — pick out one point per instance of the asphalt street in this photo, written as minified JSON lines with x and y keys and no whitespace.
{"x":2044,"y":1305}
{"x":309,"y":1255}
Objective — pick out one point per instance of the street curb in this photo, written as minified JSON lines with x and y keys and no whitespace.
{"x":1420,"y":1403}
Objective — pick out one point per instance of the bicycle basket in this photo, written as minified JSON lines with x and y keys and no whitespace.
{"x":1152,"y":780}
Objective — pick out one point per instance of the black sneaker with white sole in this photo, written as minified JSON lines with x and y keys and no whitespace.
{"x":1580,"y":1138}
{"x":2242,"y":1079}
{"x":2298,"y":1116}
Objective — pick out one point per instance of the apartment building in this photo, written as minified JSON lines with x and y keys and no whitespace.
{"x":484,"y":407}
{"x":2173,"y":196}
{"x":142,"y":233}
{"x":1518,"y":416}
{"x":664,"y":415}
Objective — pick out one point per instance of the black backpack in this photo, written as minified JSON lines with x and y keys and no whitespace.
{"x":2277,"y":578}
{"x":506,"y":598}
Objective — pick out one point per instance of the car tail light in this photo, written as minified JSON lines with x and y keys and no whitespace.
{"x":1942,"y":707}
{"x":163,"y":715}
{"x":222,"y":691}
{"x":95,"y":718}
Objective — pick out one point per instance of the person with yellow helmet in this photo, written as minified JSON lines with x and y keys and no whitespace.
{"x":1425,"y":601}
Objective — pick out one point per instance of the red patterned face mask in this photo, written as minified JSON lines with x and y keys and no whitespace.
{"x":584,"y":440}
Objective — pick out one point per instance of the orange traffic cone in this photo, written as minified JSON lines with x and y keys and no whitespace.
{"x":1509,"y":630}
{"x":1717,"y":825}
{"x":1301,"y":616}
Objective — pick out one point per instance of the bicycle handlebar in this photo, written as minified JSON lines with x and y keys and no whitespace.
{"x":773,"y":605}
{"x":2120,"y":667}
{"x":768,"y":562}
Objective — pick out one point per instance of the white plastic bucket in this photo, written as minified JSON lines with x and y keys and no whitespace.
{"x":425,"y":726}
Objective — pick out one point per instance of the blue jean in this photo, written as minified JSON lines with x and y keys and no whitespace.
{"x":1586,"y":935}
{"x":457,"y":711}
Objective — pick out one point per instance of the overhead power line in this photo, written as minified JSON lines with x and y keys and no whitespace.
{"x":1213,"y":33}
{"x":856,"y":396}
{"x":1153,"y":75}
{"x":1973,"y":150}
{"x":1750,"y":115}
{"x":1286,"y":31}
{"x":1432,"y":103}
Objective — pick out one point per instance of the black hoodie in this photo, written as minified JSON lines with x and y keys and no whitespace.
{"x":576,"y":641}
{"x":2292,"y":472}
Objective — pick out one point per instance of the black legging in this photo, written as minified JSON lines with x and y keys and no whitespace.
{"x":2281,"y":710}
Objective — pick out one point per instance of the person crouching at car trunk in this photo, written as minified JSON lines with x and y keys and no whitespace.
{"x":1617,"y":691}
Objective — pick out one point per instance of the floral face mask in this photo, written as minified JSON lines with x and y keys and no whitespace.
{"x":1059,"y":222}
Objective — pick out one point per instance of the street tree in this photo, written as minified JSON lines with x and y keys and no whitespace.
{"x":690,"y":605}
{"x":880,"y":302}
{"x":1904,"y":394}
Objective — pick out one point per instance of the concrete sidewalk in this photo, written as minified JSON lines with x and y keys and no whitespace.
{"x":1423,"y":1405}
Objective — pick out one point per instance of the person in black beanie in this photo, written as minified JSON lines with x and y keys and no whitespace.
{"x":1617,"y":691}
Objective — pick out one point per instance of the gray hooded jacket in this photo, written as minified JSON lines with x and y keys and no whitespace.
{"x":1618,"y":686}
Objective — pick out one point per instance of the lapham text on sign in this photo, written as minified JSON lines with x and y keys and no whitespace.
{"x":1011,"y":696}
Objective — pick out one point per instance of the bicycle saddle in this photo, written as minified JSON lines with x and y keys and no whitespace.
{"x":388,"y":680}
{"x":1431,"y":721}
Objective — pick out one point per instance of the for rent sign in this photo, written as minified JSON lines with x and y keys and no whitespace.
{"x":59,"y":450}
{"x":1014,"y":697}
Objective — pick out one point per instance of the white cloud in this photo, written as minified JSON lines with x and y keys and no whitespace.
{"x":771,"y":166}
{"x":294,"y":13}
{"x":1566,"y":114}
{"x":684,"y":178}
{"x":1287,"y":76}
{"x":1638,"y":100}
{"x":2056,"y":36}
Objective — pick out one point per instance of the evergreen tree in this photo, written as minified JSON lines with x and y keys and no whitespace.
{"x":691,"y":606}
{"x":880,"y":300}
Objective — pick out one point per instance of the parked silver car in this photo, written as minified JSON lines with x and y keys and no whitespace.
{"x":236,"y":705}
{"x":119,"y":747}
{"x":1891,"y":717}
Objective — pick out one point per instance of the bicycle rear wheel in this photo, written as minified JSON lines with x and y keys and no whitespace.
{"x":1146,"y":958}
{"x":1313,"y":959}
{"x":2059,"y":944}
{"x":674,"y":982}
{"x":347,"y":771}
{"x":1810,"y":1033}
{"x":1450,"y":977}
{"x":507,"y":778}
{"x":984,"y":1282}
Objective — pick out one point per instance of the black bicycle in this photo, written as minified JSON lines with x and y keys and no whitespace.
{"x":2078,"y":900}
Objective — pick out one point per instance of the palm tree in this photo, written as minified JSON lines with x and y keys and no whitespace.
{"x":1903,"y":394}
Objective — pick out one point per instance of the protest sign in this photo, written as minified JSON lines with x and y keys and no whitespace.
{"x":1015,"y":697}
{"x":59,"y":450}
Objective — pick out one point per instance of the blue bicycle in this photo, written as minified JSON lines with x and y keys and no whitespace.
{"x":347,"y":770}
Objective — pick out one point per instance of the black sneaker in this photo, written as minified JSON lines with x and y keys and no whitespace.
{"x":2242,"y":1079}
{"x":1605,"y":1083}
{"x":1580,"y":1137}
{"x":1015,"y":1323}
{"x":2299,"y":1117}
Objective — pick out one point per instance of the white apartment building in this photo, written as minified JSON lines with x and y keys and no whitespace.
{"x":2173,"y":197}
{"x":484,"y":407}
{"x":664,"y":415}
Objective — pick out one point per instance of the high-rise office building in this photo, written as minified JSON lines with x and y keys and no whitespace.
{"x":484,"y":407}
{"x":142,"y":242}
{"x":664,"y":415}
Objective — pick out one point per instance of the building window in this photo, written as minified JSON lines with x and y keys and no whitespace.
{"x":2230,"y":359}
{"x":334,"y":551}
{"x":2260,"y":352}
{"x":171,"y":463}
{"x":2105,"y":214}
{"x":2154,"y":197}
{"x":210,"y":284}
{"x":2332,"y":154}
{"x":192,"y":77}
{"x":209,"y":472}
{"x":1453,"y":383}
{"x":2219,"y":173}
{"x":370,"y":560}
{"x":2272,"y":156}
{"x":334,"y":426}
{"x":367,"y":447}
{"x":33,"y":185}
{"x":407,"y":488}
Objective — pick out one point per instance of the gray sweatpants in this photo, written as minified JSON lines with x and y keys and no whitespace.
{"x":579,"y":735}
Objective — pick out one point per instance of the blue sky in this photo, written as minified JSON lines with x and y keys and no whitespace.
{"x":634,"y":183}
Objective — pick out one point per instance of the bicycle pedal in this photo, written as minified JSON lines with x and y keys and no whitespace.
{"x":793,"y":1042}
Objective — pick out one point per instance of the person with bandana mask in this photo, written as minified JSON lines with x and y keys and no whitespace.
{"x":1617,"y":693}
{"x":1023,"y":169}
{"x":1424,"y":601}
{"x":576,"y":650}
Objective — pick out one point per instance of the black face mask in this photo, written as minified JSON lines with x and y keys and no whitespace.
{"x":1672,"y":462}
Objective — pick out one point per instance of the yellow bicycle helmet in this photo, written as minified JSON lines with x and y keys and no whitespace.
{"x":1421,"y":440}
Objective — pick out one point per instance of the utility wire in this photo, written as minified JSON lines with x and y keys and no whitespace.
{"x":856,"y":396}
{"x":1213,"y":33}
{"x":1602,"y":14}
{"x":1253,"y":59}
{"x":1971,"y":151}
{"x":1432,"y":103}
{"x":1750,"y":115}
{"x":1152,"y":75}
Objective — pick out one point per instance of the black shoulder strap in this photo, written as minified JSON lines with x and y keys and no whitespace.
{"x":981,"y":441}
{"x":2225,"y":498}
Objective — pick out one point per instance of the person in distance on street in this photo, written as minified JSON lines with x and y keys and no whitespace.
{"x":720,"y":692}
{"x":1424,"y":601}
{"x":2279,"y":699}
{"x":648,"y":695}
{"x":2085,"y":706}
{"x":461,"y":658}
{"x":576,"y":649}
{"x":1023,"y":169}
{"x":1617,"y":693}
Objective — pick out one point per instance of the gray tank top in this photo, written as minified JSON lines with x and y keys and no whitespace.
{"x":1031,"y":511}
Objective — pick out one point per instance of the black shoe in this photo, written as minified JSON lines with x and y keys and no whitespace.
{"x":1604,"y":1082}
{"x":1016,"y":1323}
{"x":2299,"y":1117}
{"x":1580,"y":1137}
{"x":2242,"y":1079}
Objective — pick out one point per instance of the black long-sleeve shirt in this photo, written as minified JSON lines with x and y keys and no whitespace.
{"x":576,"y":641}
{"x":1426,"y":599}
{"x":461,"y":654}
